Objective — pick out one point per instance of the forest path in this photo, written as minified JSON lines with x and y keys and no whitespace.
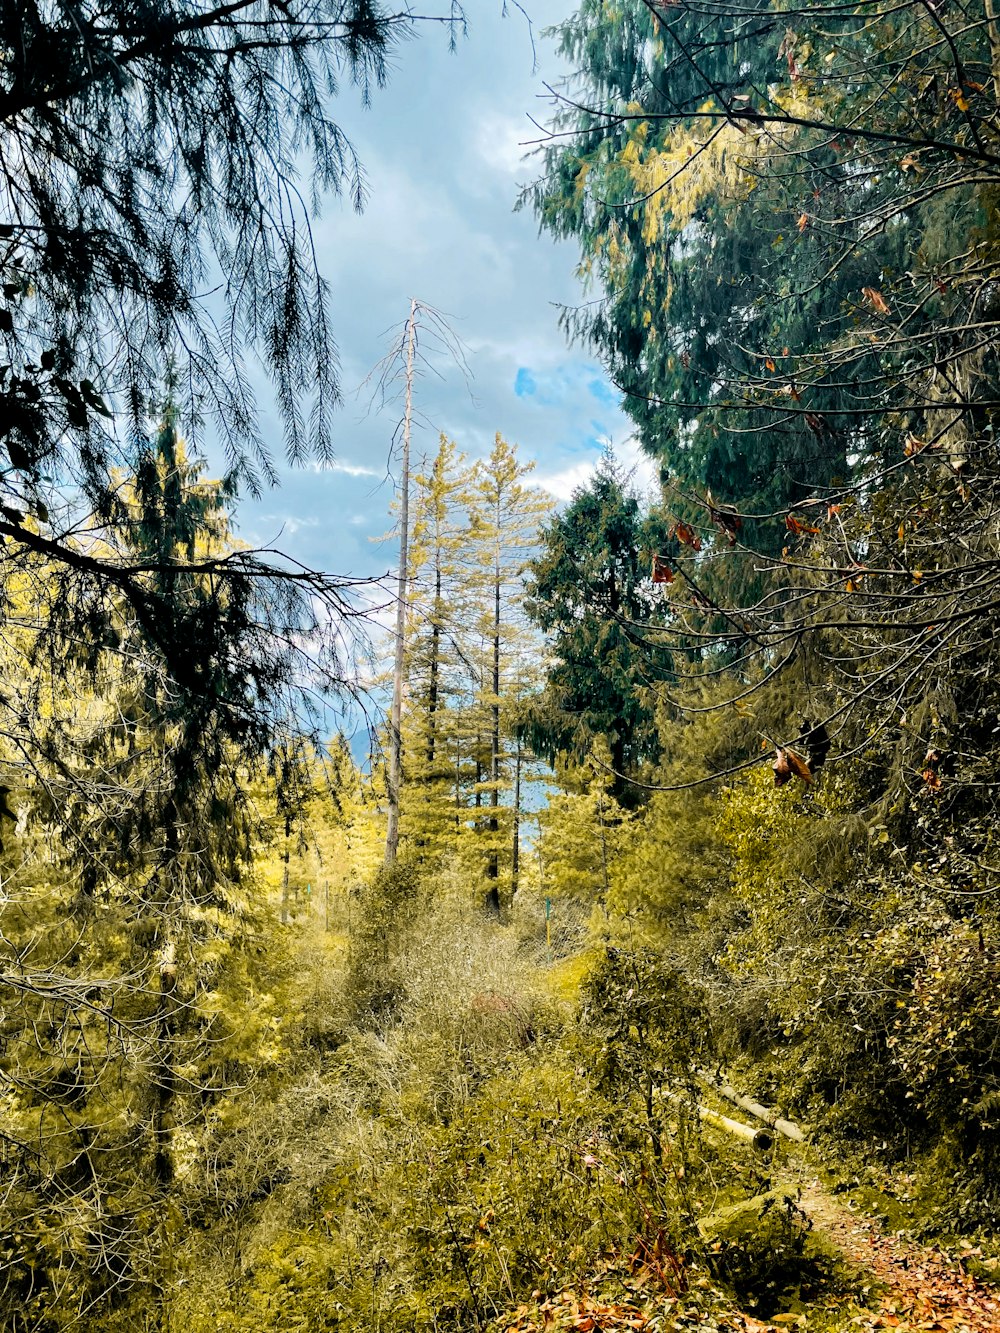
{"x":920,"y":1289}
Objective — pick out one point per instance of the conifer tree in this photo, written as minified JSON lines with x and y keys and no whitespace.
{"x":583,"y":831}
{"x":439,"y":647}
{"x":174,"y":143}
{"x":747,"y":205}
{"x":136,"y":761}
{"x":589,"y":589}
{"x":506,"y":514}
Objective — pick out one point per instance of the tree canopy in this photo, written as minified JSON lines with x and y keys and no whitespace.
{"x":151,"y":209}
{"x":790,"y":220}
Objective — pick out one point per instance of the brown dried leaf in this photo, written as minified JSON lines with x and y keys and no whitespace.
{"x":799,"y":767}
{"x":687,"y":536}
{"x":662,"y":570}
{"x":782,"y":768}
{"x":799,"y":526}
{"x":727,"y":520}
{"x":877,"y":300}
{"x":913,"y":445}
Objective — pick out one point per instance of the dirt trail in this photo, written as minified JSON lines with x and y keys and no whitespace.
{"x":923,"y":1289}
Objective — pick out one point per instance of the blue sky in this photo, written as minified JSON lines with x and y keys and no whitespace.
{"x":443,"y":150}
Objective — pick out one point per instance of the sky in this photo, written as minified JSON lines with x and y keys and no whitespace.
{"x":443,"y":147}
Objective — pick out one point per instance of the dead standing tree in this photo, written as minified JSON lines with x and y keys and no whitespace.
{"x":425,"y":336}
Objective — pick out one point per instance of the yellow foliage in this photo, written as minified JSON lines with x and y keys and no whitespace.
{"x":720,"y":159}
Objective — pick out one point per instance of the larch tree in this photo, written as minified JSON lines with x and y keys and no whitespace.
{"x":506,"y":515}
{"x":424,"y":335}
{"x":438,"y":648}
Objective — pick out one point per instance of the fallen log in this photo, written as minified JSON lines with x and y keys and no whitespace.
{"x":759,"y":1139}
{"x":769,"y":1116}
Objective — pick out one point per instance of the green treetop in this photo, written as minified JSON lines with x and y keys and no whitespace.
{"x":589,"y":590}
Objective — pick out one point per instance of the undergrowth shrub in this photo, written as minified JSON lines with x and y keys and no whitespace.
{"x":646,"y":1029}
{"x":471,"y":1144}
{"x":388,"y":906}
{"x":761,"y":1249}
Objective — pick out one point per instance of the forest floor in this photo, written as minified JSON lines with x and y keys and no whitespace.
{"x":866,"y":1278}
{"x":859,"y":1269}
{"x":914,"y":1287}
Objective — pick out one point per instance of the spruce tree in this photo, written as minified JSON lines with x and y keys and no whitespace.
{"x":589,"y":589}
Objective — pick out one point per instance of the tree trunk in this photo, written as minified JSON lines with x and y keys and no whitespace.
{"x":432,"y":691}
{"x":394,"y":775}
{"x":515,"y":851}
{"x":993,"y":33}
{"x":493,"y":865}
{"x":768,"y":1114}
{"x":165,"y":1084}
{"x":285,"y":872}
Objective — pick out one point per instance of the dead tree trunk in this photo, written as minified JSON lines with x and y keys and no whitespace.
{"x":396,"y":718}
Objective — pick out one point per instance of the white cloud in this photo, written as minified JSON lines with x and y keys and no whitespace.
{"x":499,"y":143}
{"x":561,"y":485}
{"x":355,"y":470}
{"x":643,"y":471}
{"x":287,"y":525}
{"x":637,"y":466}
{"x":442,"y":152}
